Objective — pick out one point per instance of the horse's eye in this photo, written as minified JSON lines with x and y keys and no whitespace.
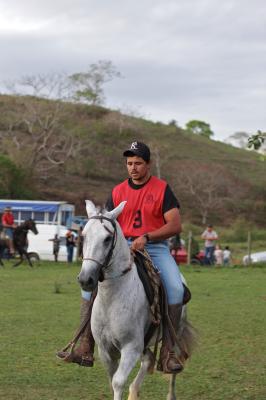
{"x":107,"y":240}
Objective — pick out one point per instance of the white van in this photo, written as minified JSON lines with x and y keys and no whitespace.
{"x":41,"y":244}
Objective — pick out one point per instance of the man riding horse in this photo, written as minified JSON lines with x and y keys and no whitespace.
{"x":151,"y":216}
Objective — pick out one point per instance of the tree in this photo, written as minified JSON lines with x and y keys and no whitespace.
{"x":14,"y":182}
{"x":238,"y":139}
{"x":207,"y":187}
{"x":174,"y":123}
{"x":47,"y":86}
{"x":37,"y":133}
{"x":88,"y":86}
{"x":257,"y":140}
{"x":199,"y":128}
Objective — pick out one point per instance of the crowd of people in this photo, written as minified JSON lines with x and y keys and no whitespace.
{"x":214,"y":254}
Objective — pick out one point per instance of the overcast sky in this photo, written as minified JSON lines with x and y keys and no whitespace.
{"x":180,"y":59}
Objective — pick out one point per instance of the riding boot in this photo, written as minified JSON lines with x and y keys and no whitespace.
{"x":83,"y":354}
{"x":169,"y":362}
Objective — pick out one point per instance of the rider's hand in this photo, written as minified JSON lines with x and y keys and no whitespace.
{"x":139,"y":243}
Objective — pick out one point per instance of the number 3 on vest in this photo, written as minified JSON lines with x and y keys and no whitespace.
{"x":137,"y":220}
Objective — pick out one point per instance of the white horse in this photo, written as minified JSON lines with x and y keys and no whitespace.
{"x":121,"y":313}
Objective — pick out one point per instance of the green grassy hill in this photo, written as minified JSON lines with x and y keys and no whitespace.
{"x":73,"y":151}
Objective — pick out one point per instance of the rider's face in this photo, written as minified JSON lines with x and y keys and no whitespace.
{"x":138,"y":169}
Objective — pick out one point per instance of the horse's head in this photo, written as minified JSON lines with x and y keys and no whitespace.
{"x":30,"y":225}
{"x":100,"y":236}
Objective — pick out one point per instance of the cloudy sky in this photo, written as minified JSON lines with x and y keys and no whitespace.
{"x":180,"y":59}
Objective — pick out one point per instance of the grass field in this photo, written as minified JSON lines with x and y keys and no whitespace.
{"x":40,"y":311}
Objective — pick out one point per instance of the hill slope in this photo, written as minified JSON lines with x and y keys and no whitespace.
{"x":73,"y":152}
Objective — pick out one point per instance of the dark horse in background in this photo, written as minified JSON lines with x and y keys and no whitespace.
{"x":20,"y":241}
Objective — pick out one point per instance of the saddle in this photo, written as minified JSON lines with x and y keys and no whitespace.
{"x":155,"y":291}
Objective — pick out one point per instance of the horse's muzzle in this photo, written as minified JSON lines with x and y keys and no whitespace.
{"x":87,"y":284}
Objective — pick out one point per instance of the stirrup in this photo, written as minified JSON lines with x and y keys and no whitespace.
{"x":162,"y":365}
{"x":84,"y":361}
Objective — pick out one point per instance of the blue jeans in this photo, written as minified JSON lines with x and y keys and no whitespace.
{"x":169,"y":272}
{"x":70,"y":251}
{"x":8,"y":232}
{"x":209,"y":255}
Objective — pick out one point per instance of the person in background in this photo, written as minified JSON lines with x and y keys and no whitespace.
{"x":56,"y":246}
{"x":210,"y":237}
{"x":218,"y":255}
{"x":70,"y":244}
{"x":8,"y":224}
{"x":227,"y":256}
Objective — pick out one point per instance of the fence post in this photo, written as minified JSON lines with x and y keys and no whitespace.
{"x":249,"y":247}
{"x":189,"y":248}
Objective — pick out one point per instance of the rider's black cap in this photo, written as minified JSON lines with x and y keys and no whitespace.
{"x":138,"y":149}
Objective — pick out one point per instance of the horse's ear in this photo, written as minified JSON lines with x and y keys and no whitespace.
{"x":116,"y":211}
{"x":90,"y":207}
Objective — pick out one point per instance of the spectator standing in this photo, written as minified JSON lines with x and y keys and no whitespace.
{"x":227,"y":256}
{"x":56,"y":246}
{"x":218,"y":254}
{"x":210,"y":237}
{"x":70,"y":244}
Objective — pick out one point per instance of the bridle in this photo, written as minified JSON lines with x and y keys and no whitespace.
{"x":105,"y":265}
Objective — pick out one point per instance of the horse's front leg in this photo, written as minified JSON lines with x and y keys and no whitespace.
{"x":28,"y":258}
{"x":129,"y":357}
{"x":110,"y":364}
{"x":147,"y":363}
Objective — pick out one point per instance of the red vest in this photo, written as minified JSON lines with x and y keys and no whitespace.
{"x":7,"y":219}
{"x":143,"y":210}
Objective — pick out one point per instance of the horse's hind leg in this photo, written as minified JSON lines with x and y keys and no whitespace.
{"x":171,"y":394}
{"x":147,"y":362}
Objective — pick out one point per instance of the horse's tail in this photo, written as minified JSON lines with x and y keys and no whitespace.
{"x":187,"y":337}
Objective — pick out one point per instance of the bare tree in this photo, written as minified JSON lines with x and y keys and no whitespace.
{"x":35,"y":134}
{"x":208,"y":186}
{"x":157,"y":162}
{"x":88,"y":86}
{"x":49,"y":86}
{"x":238,"y":139}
